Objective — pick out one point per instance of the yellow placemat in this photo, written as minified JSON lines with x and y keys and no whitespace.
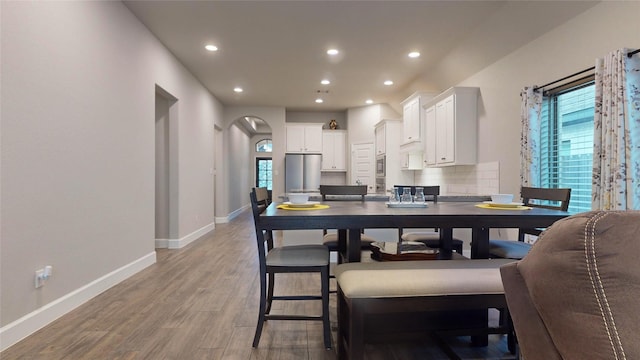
{"x":487,"y":206}
{"x":314,"y":207}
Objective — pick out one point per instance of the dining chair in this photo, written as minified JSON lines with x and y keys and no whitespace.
{"x":343,"y":192}
{"x":429,"y":238}
{"x":288,"y":259}
{"x":548,"y":198}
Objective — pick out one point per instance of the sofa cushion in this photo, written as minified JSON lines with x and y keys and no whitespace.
{"x":509,"y":249}
{"x":584,"y":279}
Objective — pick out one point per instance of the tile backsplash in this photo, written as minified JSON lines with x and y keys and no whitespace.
{"x":479,"y":179}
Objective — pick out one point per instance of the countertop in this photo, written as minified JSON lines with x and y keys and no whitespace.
{"x":381,"y":197}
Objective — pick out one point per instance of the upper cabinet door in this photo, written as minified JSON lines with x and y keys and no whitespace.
{"x":451,"y":128}
{"x":445,"y":129}
{"x":313,"y":139}
{"x":430,"y":136}
{"x":303,"y":138}
{"x":295,"y":138}
{"x":411,"y":122}
{"x":380,"y":139}
{"x":334,"y":152}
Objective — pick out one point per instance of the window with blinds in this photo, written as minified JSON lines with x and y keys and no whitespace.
{"x":566,"y":143}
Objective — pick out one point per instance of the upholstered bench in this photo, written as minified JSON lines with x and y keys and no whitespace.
{"x":366,"y":289}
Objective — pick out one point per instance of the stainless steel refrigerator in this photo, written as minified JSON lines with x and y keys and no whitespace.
{"x":302,"y":172}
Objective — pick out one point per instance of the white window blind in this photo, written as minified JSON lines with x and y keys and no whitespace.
{"x":567,"y":143}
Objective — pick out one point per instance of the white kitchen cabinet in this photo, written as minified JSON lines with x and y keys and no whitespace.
{"x":380,"y":135}
{"x":411,"y":160}
{"x":303,"y":138}
{"x":388,"y":136}
{"x":412,"y":119}
{"x":430,"y":136}
{"x":334,"y":150}
{"x":451,"y":128}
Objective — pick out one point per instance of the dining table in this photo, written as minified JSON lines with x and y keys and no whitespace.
{"x":350,"y":217}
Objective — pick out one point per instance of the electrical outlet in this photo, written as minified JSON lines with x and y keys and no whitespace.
{"x":43,"y":275}
{"x":39,"y":278}
{"x":48,"y":271}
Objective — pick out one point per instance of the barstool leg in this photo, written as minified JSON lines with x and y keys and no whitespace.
{"x":270,"y":281}
{"x":261,"y":314}
{"x":326,"y":325}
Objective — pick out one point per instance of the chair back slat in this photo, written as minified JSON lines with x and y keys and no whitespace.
{"x":262,"y":197}
{"x":533,"y":196}
{"x":561,"y":196}
{"x":264,"y":238}
{"x":343,"y":190}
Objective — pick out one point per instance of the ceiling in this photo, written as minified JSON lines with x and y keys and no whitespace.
{"x":276,"y":50}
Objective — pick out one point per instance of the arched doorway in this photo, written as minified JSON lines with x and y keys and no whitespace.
{"x":241,"y":166}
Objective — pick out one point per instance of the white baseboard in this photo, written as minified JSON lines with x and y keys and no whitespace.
{"x":32,"y":322}
{"x":232,"y":215}
{"x":222,"y":219}
{"x":184,"y":241}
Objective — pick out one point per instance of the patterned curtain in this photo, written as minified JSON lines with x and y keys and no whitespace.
{"x":616,"y":147}
{"x":530,"y":116}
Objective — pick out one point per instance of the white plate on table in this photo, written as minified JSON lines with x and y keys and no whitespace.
{"x":308,"y":204}
{"x":505,"y":205}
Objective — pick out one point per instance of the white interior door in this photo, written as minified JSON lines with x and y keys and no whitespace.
{"x":362,"y":165}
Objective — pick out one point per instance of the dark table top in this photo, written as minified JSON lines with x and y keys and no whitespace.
{"x":375,"y":214}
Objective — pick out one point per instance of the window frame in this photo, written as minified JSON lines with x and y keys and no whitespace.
{"x":257,"y":171}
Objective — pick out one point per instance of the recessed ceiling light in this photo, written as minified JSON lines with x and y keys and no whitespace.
{"x":211,"y":48}
{"x":325,"y":82}
{"x":319,"y":101}
{"x":332,"y":51}
{"x":238,"y":89}
{"x":388,"y":82}
{"x":414,"y":54}
{"x":369,"y":101}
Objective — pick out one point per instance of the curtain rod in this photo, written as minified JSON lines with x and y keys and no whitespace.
{"x":565,"y":78}
{"x":629,"y":54}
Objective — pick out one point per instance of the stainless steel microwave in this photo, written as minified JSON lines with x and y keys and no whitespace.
{"x":380,"y":166}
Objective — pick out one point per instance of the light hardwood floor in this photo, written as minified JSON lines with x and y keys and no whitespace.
{"x":200,"y":302}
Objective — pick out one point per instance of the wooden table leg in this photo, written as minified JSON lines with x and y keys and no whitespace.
{"x":353,"y":245}
{"x":342,"y":245}
{"x":480,"y":250}
{"x":446,"y":238}
{"x":480,"y":243}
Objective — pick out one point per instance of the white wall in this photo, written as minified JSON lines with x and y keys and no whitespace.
{"x":321,"y":117}
{"x":565,"y":50}
{"x":362,"y":121}
{"x":479,"y":179}
{"x":77,"y":160}
{"x":239,"y":160}
{"x":569,"y":48}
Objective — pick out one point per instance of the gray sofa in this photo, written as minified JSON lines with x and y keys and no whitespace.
{"x":576,"y":295}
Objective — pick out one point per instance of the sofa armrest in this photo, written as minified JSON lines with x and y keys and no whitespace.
{"x":525,"y":317}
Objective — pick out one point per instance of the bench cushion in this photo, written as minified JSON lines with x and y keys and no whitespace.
{"x":420,"y":278}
